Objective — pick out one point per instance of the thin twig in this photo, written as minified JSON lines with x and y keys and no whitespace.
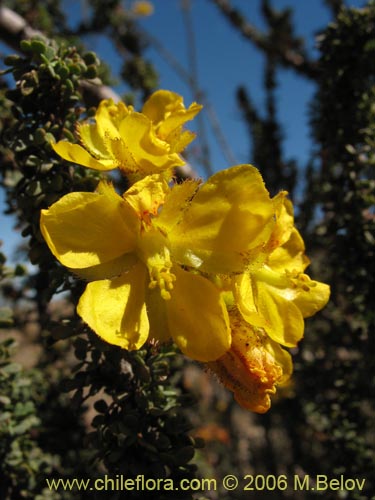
{"x":200,"y":95}
{"x":192,"y":58}
{"x":288,"y":57}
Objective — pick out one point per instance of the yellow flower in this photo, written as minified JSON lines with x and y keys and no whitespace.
{"x":267,"y":305}
{"x":278,"y":295}
{"x":137,"y":143}
{"x":142,"y":8}
{"x":149,"y":253}
{"x":253,"y":366}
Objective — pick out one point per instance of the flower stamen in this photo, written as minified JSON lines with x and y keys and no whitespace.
{"x":159,"y":266}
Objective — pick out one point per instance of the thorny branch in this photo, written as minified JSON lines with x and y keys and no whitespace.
{"x":14,"y":29}
{"x":287,"y":56}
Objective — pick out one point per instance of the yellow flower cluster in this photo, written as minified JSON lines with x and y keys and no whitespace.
{"x":216,"y":266}
{"x":136,"y":143}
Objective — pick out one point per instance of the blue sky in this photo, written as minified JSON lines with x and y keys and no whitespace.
{"x":225,"y":60}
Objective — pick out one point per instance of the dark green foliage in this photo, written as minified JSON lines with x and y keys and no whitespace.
{"x":44,"y":108}
{"x":344,"y":126}
{"x":340,"y":345}
{"x":139,"y":428}
{"x":39,"y":436}
{"x":21,"y":459}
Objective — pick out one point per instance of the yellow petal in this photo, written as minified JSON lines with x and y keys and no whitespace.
{"x":290,"y":256}
{"x":116,"y":310}
{"x":76,"y":154}
{"x":171,"y":127}
{"x":109,"y":269}
{"x":122,"y":156}
{"x":157,"y":315}
{"x":284,"y":220}
{"x":150,"y":153}
{"x":197,"y":317}
{"x":175,"y":204}
{"x":168,"y":113}
{"x":311,"y":296}
{"x":284,"y":320}
{"x":92,"y":141}
{"x":283,"y":300}
{"x":282,"y":358}
{"x":87,"y":229}
{"x":160,"y":103}
{"x":245,"y":301}
{"x":179,"y":140}
{"x":227,"y":224}
{"x":286,"y":247}
{"x":109,"y":117}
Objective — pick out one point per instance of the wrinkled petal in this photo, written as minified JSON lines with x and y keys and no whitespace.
{"x":281,"y":299}
{"x":282,"y":358}
{"x":137,"y":143}
{"x":150,"y":153}
{"x":197,"y":317}
{"x":77,"y":154}
{"x":87,"y":229}
{"x":171,"y":127}
{"x":161,"y":104}
{"x":146,"y":195}
{"x":168,"y":113}
{"x":116,"y":310}
{"x":226,"y":224}
{"x":179,"y":140}
{"x":253,"y":366}
{"x":122,"y":155}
